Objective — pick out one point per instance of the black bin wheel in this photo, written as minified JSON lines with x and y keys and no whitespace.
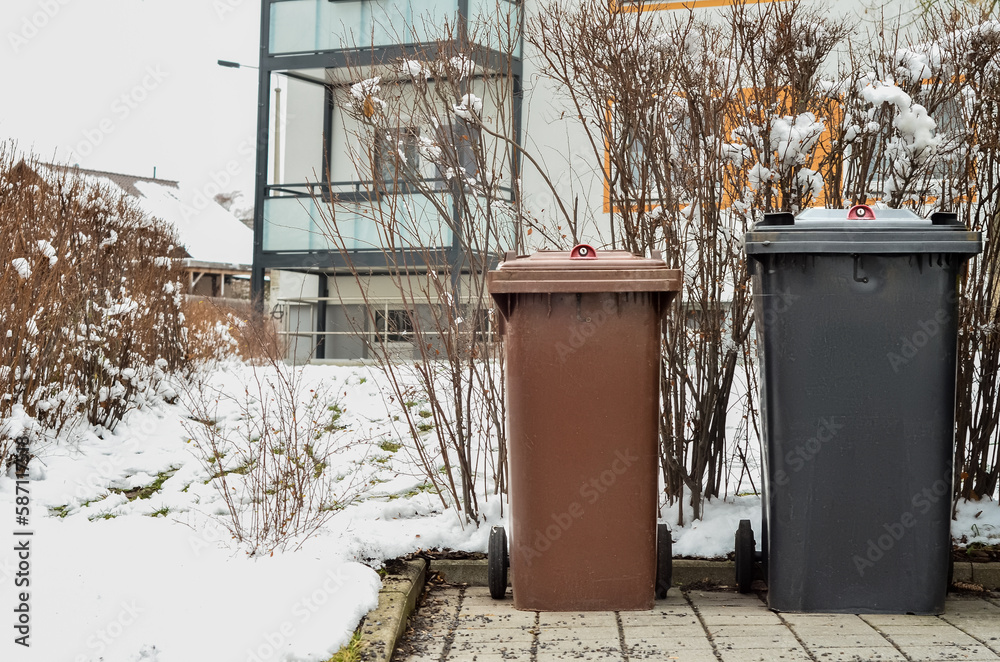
{"x":498,"y":562}
{"x":745,"y":547}
{"x":664,"y":560}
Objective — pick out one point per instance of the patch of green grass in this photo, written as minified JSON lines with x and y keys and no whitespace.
{"x":94,"y":518}
{"x":351,"y":652}
{"x":148,"y":490}
{"x":162,"y":512}
{"x":410,"y":404}
{"x":336,"y":411}
{"x":242,"y":470}
{"x":390,"y":446}
{"x":100,"y":498}
{"x":59,"y":511}
{"x":423,"y":487}
{"x":423,"y":413}
{"x":424,"y":427}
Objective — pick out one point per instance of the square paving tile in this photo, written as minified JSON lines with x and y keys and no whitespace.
{"x":859,"y":654}
{"x":784,"y":641}
{"x":493,"y":635}
{"x":485,"y":656}
{"x":580,"y":648}
{"x":601,"y":633}
{"x":643,"y":632}
{"x":471,"y":617}
{"x":942,"y":653}
{"x":939,"y":637}
{"x":882,"y":620}
{"x":764,"y":655}
{"x":679,"y":617}
{"x":858,"y":629}
{"x":849,"y":640}
{"x":738,"y":617}
{"x":573,"y":619}
{"x":678,"y":655}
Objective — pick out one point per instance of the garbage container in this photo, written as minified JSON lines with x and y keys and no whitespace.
{"x":856,"y":314}
{"x":582,"y":342}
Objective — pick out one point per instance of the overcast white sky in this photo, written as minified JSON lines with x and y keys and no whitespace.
{"x":126,"y":85}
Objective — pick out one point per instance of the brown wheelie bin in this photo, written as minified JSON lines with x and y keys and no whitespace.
{"x":582,"y":337}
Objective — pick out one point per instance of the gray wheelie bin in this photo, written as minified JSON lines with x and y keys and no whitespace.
{"x":857,"y":318}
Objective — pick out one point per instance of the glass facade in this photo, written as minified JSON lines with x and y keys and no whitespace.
{"x":311,"y":26}
{"x":295,"y":224}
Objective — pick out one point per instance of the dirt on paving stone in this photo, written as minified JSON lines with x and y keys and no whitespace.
{"x":441,"y":554}
{"x":416,"y":640}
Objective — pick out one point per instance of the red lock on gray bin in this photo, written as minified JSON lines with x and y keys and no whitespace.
{"x":857,"y":315}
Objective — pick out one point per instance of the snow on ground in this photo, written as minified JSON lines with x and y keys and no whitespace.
{"x":160,"y":579}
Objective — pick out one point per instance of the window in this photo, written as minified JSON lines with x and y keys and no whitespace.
{"x":397,"y":156}
{"x":393,"y":326}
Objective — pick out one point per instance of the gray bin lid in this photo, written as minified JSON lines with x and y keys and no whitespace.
{"x":861,"y":230}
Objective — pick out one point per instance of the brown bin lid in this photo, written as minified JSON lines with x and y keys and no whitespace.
{"x":583,"y":270}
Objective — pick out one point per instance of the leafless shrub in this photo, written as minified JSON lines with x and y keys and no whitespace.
{"x":274,"y":454}
{"x":434,"y":151}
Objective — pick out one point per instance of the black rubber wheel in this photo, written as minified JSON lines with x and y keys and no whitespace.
{"x":745,"y":546}
{"x":664,"y":560}
{"x":498,"y":563}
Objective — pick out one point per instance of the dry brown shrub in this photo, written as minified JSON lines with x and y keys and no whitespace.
{"x":89,"y":300}
{"x":218,"y":331}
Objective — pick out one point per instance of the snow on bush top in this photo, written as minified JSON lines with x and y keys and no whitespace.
{"x":22,"y":266}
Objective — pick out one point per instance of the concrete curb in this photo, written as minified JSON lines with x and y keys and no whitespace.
{"x":384,"y":625}
{"x":693,"y":571}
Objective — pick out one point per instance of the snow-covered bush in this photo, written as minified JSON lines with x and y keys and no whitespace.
{"x":89,"y":304}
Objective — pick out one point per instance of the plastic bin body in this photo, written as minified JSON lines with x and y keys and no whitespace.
{"x":583,"y":407}
{"x":856,"y":330}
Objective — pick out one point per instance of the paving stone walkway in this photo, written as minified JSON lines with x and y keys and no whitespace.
{"x":466,"y":625}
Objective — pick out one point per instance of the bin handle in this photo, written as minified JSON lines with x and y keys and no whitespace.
{"x":583,"y":252}
{"x":861,"y":213}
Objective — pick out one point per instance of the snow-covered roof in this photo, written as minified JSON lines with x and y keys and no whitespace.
{"x":207,"y":231}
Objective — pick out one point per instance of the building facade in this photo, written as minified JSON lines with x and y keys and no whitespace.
{"x":336,"y":215}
